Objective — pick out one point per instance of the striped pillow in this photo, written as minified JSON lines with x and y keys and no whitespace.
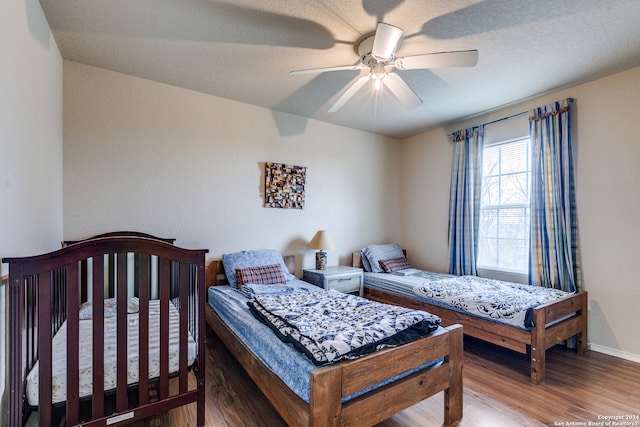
{"x":263,"y":275}
{"x":394,"y":264}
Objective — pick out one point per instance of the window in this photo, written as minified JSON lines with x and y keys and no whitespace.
{"x":504,"y":207}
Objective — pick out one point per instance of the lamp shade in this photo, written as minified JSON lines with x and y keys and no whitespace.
{"x":321,"y":241}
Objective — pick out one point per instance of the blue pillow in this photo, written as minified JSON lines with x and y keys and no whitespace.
{"x":375,"y":253}
{"x":254,"y":258}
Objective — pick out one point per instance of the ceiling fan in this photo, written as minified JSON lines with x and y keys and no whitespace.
{"x":377,"y":53}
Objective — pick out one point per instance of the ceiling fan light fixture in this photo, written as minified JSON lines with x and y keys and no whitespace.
{"x":377,"y":83}
{"x":377,"y":74}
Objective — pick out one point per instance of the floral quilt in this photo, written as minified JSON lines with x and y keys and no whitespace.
{"x":510,"y":303}
{"x":328,"y":326}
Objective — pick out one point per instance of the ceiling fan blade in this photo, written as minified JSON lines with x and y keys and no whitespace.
{"x":349,"y":93}
{"x":401,"y":90}
{"x":325,"y":69}
{"x":385,"y":41}
{"x":462,"y":58}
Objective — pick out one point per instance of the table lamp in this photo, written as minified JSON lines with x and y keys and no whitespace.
{"x":322,"y":242}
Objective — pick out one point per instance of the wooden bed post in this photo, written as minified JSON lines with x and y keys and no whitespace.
{"x":538,"y":347}
{"x":15,"y":325}
{"x":324,"y":403}
{"x":202,"y":343}
{"x":581,"y":337}
{"x":453,"y":395}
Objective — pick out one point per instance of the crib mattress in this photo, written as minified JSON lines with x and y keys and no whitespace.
{"x":59,"y":351}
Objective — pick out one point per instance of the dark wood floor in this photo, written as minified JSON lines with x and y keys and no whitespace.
{"x":497,"y":392}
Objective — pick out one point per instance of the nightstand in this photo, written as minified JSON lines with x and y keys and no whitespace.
{"x":341,"y":278}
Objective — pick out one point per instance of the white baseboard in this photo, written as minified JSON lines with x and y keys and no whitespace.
{"x":616,"y":353}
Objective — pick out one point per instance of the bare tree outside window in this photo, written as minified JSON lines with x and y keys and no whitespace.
{"x":504,"y":214}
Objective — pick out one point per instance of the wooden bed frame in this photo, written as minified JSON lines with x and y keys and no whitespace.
{"x":554,"y":322}
{"x":330,"y":383}
{"x":45,"y":291}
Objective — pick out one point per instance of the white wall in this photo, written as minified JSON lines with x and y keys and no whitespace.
{"x":608,"y":154}
{"x":145,"y":156}
{"x":30,"y":144}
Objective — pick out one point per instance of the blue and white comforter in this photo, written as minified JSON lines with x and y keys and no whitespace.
{"x":511,"y":303}
{"x":502,"y":302}
{"x":328,"y":326}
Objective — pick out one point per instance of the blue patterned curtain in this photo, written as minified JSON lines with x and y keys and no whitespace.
{"x":554,"y":260}
{"x":464,"y":200}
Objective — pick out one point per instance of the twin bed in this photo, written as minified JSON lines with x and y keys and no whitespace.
{"x":360,"y":391}
{"x":523,"y":318}
{"x":106,"y":331}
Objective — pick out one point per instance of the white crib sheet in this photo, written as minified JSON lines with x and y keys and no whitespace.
{"x":59,"y":362}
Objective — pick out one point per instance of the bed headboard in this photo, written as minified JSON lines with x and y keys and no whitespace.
{"x":215,"y":272}
{"x":111,"y":263}
{"x":356,"y":259}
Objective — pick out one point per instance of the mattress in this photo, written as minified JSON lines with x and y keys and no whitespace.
{"x":498,"y":301}
{"x":59,"y":351}
{"x":291,"y":366}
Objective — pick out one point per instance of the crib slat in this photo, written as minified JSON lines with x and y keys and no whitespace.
{"x":121,"y":340}
{"x":199,"y":290}
{"x":183,"y":330}
{"x":192,"y":300}
{"x":165,"y":274}
{"x":98,"y":337}
{"x":44,"y":347}
{"x":73,"y":337}
{"x":111,"y":275}
{"x":143,"y":332}
{"x":84,"y":296}
{"x":32,"y":321}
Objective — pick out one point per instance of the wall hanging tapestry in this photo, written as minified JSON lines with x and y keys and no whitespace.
{"x":284,"y":186}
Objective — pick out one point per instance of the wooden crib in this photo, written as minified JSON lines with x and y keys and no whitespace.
{"x":50,"y":296}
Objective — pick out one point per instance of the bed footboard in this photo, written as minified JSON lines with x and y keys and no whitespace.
{"x":330,"y":384}
{"x":555,"y":322}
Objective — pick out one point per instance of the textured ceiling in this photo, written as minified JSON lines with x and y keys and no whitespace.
{"x":244,"y":49}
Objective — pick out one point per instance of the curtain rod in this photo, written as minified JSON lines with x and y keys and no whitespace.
{"x":569,"y":100}
{"x":499,"y":120}
{"x":507,"y":118}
